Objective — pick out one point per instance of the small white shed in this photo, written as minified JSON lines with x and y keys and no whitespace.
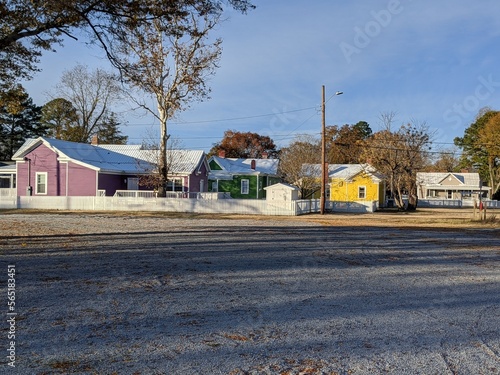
{"x":282,"y":192}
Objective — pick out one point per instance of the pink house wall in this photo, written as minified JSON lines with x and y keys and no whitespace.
{"x":81,"y":181}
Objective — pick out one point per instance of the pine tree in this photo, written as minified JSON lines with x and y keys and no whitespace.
{"x":109,"y":132}
{"x":19,"y":120}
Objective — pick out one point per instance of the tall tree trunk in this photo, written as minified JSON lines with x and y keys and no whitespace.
{"x":163,"y":162}
{"x":491,"y":171}
{"x":412,"y":202}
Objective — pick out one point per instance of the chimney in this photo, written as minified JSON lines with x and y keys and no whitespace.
{"x":265,"y":155}
{"x":95,"y":140}
{"x":252,"y":164}
{"x":222,"y":154}
{"x":464,"y":171}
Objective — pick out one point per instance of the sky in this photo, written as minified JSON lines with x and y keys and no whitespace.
{"x":432,"y":62}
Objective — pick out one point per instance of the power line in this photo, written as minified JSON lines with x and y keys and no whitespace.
{"x":244,"y":118}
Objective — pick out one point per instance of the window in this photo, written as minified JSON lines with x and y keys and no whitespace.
{"x":41,"y":183}
{"x":132,"y":183}
{"x":245,"y":186}
{"x":215,"y":186}
{"x":175,"y":184}
{"x":362,"y":192}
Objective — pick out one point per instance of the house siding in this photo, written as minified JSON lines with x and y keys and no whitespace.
{"x":41,"y":160}
{"x":82,"y":181}
{"x":347,"y":191}
{"x":451,"y":181}
{"x":111,"y":183}
{"x":234,"y":187}
{"x":194,"y":180}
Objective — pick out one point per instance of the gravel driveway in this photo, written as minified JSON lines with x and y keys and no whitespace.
{"x":104,"y":294}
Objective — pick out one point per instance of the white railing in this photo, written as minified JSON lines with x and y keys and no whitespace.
{"x":170,"y":195}
{"x":313,"y":206}
{"x":456,"y":203}
{"x":135,"y":194}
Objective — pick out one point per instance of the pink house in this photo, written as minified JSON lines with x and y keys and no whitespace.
{"x":52,"y":167}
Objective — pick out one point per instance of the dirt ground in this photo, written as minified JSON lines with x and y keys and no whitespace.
{"x":432,"y":217}
{"x":147,"y":293}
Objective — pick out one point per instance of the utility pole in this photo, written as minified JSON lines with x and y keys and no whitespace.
{"x":323,"y":153}
{"x":324,"y":165}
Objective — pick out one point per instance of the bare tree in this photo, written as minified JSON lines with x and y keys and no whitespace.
{"x":399,"y":156}
{"x":151,"y":159}
{"x":299,"y":164}
{"x":171,"y":61}
{"x":387,"y":120}
{"x":447,"y":160}
{"x":92,"y":94}
{"x":28,"y":27}
{"x":489,"y":142}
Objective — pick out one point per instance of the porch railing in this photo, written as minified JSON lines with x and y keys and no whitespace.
{"x":171,"y":195}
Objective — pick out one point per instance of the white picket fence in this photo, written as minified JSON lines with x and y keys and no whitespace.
{"x":455,"y":203}
{"x":225,"y":206}
{"x":7,"y":192}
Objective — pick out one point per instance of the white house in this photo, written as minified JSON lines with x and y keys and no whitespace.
{"x":448,"y":185}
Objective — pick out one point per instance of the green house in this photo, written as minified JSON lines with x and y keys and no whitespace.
{"x":242,"y":178}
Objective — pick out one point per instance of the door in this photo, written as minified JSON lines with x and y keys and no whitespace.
{"x":132,"y":183}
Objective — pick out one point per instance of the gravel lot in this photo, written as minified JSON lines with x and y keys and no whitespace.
{"x":105,"y":294}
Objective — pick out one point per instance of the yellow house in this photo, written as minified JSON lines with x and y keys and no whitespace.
{"x":356,"y":183}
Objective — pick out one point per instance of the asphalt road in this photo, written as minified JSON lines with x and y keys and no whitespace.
{"x":121,"y":295}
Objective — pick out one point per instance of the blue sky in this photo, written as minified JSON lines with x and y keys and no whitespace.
{"x":427,"y":61}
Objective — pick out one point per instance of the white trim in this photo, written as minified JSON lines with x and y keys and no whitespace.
{"x":67,"y":178}
{"x":96,"y":182}
{"x":45,"y":174}
{"x":359,"y":190}
{"x":247,"y":186}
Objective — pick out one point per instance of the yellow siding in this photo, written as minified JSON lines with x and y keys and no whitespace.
{"x":348,"y":191}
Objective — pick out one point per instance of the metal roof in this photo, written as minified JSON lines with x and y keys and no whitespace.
{"x":95,"y":157}
{"x":116,"y":158}
{"x":342,"y":171}
{"x":244,"y":166}
{"x":435,"y":178}
{"x":180,"y":161}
